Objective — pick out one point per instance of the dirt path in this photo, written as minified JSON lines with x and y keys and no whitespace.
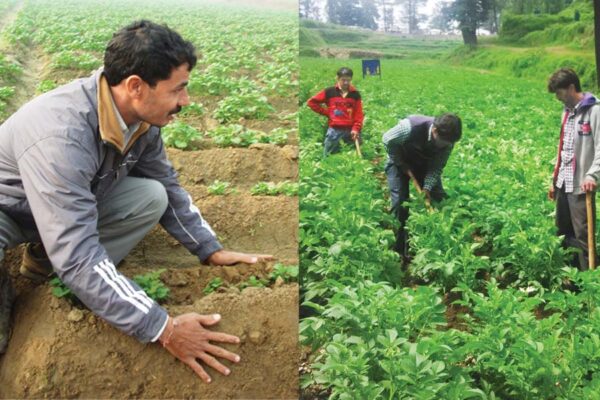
{"x":32,"y":60}
{"x":10,"y":15}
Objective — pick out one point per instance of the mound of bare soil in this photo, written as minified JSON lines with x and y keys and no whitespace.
{"x":241,"y":167}
{"x":58,"y":351}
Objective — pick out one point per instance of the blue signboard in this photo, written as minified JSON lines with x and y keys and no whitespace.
{"x":371,"y":67}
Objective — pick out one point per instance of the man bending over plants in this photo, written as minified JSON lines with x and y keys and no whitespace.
{"x":84,"y":173}
{"x":577,"y":168}
{"x":344,"y":111}
{"x":418,"y":148}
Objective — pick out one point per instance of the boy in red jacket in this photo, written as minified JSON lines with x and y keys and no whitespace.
{"x":344,"y":110}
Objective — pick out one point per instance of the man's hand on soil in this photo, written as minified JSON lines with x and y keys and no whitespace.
{"x":186,"y":338}
{"x":588,"y":185}
{"x":225,"y":257}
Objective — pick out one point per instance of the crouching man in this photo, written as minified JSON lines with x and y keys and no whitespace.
{"x":83,"y":172}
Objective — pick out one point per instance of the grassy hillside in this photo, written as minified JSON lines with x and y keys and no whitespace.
{"x":529,"y":46}
{"x":329,"y":40}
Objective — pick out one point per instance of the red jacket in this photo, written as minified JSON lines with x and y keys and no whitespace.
{"x":343,"y":112}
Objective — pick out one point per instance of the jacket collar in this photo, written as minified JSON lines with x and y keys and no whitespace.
{"x":110,"y":129}
{"x":587,"y":101}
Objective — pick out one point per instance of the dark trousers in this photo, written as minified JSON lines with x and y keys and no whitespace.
{"x":398,"y":182}
{"x":571,"y":221}
{"x":333,"y":137}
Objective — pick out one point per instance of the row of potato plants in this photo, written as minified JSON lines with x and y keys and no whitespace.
{"x":247,"y":63}
{"x":489,"y":252}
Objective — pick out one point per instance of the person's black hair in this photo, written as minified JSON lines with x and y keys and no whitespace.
{"x":449,"y":127}
{"x":344,"y":71}
{"x":148,"y":50}
{"x":562,"y":78}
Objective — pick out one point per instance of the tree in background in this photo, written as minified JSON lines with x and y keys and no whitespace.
{"x":387,"y":13}
{"x":470,"y":15}
{"x":370,"y":14}
{"x":361,"y":13}
{"x":309,"y":10}
{"x":412,"y":16}
{"x":597,"y":39}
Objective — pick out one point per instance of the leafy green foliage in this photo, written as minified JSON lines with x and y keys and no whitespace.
{"x":289,"y":273}
{"x":194,"y":109}
{"x":179,"y":134}
{"x":45,"y":86}
{"x":219,"y":188}
{"x":523,"y":333}
{"x":273,"y":189}
{"x":249,"y":104}
{"x":213,"y":285}
{"x":253,"y":281}
{"x":60,"y":290}
{"x":153,"y":285}
{"x":238,"y":136}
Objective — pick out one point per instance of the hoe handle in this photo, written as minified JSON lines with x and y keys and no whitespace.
{"x":591,"y":236}
{"x":358,"y":148}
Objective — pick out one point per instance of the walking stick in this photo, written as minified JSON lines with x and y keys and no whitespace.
{"x":358,"y":148}
{"x":419,"y":190}
{"x":591,"y":231}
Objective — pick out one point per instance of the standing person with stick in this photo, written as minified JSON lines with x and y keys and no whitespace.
{"x":577,"y":168}
{"x":344,"y":110}
{"x":418,"y":149}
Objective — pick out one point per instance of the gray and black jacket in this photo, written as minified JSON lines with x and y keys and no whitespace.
{"x":60,"y":154}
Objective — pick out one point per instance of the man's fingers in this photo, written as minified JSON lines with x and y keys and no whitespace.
{"x":214,"y":364}
{"x":222,"y":337}
{"x":222,"y":353}
{"x":198,"y":370}
{"x":210,"y":319}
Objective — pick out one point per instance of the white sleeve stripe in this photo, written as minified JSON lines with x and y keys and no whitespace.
{"x":140,"y":294}
{"x":161,"y":330}
{"x":128,"y":299}
{"x":181,"y":225}
{"x":124,"y":283}
{"x":195,"y":210}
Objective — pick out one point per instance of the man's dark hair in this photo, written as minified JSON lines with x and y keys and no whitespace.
{"x":449,"y":127}
{"x":148,"y":50}
{"x":562,"y":78}
{"x":344,"y":71}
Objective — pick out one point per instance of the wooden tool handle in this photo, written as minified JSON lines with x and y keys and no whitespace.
{"x":358,"y":148}
{"x":591,"y":231}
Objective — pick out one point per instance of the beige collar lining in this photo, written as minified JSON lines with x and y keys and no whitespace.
{"x":110,"y":129}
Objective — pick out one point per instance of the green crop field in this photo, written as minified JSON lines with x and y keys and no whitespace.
{"x":241,"y":84}
{"x":481,"y":311}
{"x":235,"y":151}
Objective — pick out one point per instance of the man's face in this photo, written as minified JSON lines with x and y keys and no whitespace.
{"x":158,"y":105}
{"x":344,"y":83}
{"x":439,"y":142}
{"x":567,"y":96}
